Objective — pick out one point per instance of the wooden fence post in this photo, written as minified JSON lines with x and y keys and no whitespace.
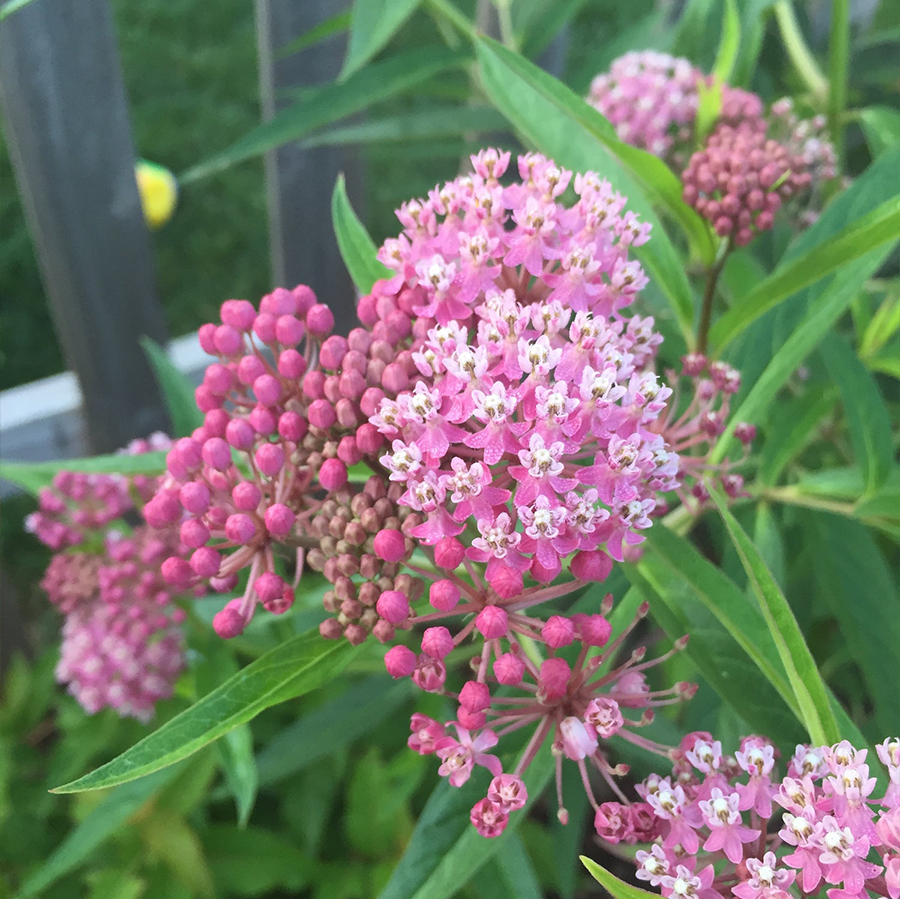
{"x":299,"y":182}
{"x":67,"y":124}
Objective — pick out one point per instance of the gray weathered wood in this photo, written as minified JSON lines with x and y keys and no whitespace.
{"x":299,"y":182}
{"x":67,"y":124}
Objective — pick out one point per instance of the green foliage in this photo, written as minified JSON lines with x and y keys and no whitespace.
{"x":357,"y":248}
{"x":176,"y":390}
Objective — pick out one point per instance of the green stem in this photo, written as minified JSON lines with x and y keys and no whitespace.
{"x":790,"y":496}
{"x":709,"y":296}
{"x":803,"y":60}
{"x":504,"y":16}
{"x":838,"y":71}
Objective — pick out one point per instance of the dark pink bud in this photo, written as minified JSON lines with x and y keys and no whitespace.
{"x":189,"y":453}
{"x":267,"y":389}
{"x":268,"y":586}
{"x":246,"y":496}
{"x":240,"y":528}
{"x":444,"y":595}
{"x":474,"y":696}
{"x":346,"y":413}
{"x":206,"y":399}
{"x":195,"y":497}
{"x":177,"y":572}
{"x":745,"y":432}
{"x":291,"y":364}
{"x":333,"y":351}
{"x":348,"y":451}
{"x":304,"y":298}
{"x":506,"y":581}
{"x":437,"y":642}
{"x":239,"y":314}
{"x":558,"y":631}
{"x":383,"y":631}
{"x":250,"y":368}
{"x":264,"y":327}
{"x":333,"y":474}
{"x":289,"y":330}
{"x":194,"y":533}
{"x":218,"y":379}
{"x":492,"y":622}
{"x":390,"y":545}
{"x":593,"y":630}
{"x":371,"y":400}
{"x":509,"y":669}
{"x":321,"y":414}
{"x":365,"y":310}
{"x":470,"y":720}
{"x":369,"y":439}
{"x":393,"y":606}
{"x":164,"y":509}
{"x":207,"y":338}
{"x":214,"y":423}
{"x":292,"y":426}
{"x":279,"y":302}
{"x":229,"y":622}
{"x":205,"y":562}
{"x":554,"y":678}
{"x":228,"y":340}
{"x":217,"y":454}
{"x":449,"y":553}
{"x":270,"y":459}
{"x":279,"y":520}
{"x":314,"y":384}
{"x":240,"y":434}
{"x":331,"y":629}
{"x":319,"y":320}
{"x":263,"y":420}
{"x":400,"y":661}
{"x":591,"y":566}
{"x":395,"y":378}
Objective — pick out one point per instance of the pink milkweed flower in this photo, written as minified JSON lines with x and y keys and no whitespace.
{"x":800,"y":831}
{"x":842,"y":856}
{"x":489,"y":819}
{"x":579,"y":740}
{"x":727,"y":831}
{"x":426,"y":733}
{"x":508,"y":791}
{"x":766,"y":880}
{"x":460,"y":756}
{"x":653,"y":865}
{"x":685,"y":885}
{"x":670,"y":804}
{"x":758,"y":762}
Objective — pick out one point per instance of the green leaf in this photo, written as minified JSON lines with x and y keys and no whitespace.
{"x":357,"y":249}
{"x":103,"y":822}
{"x":617,"y":888}
{"x":729,"y":42}
{"x":332,"y":102}
{"x":881,"y":125}
{"x":867,"y":611}
{"x":729,"y":641}
{"x":34,"y":476}
{"x":560,"y":124}
{"x":423,"y":124}
{"x":324,"y":30}
{"x":331,"y":727}
{"x":111,"y":883}
{"x":517,"y":872}
{"x":829,"y":307}
{"x":298,"y":666}
{"x":176,"y":844}
{"x":877,"y":228}
{"x":868,"y":420}
{"x":176,"y":390}
{"x":806,"y":682}
{"x":372,"y":24}
{"x":792,"y":426}
{"x":12,"y":6}
{"x":884,"y":325}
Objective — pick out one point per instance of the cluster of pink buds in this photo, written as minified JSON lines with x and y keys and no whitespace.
{"x":692,"y":432}
{"x":122,"y":645}
{"x":724,"y":826}
{"x":523,"y":678}
{"x":741,"y":178}
{"x":79,"y":504}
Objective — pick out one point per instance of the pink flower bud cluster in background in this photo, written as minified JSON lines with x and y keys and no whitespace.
{"x":723,"y":825}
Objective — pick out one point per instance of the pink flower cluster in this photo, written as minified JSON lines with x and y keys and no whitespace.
{"x":715,"y":828}
{"x":575,"y":706}
{"x":122,"y":645}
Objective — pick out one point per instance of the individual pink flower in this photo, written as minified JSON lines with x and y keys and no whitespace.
{"x":459,"y":756}
{"x":727,"y":831}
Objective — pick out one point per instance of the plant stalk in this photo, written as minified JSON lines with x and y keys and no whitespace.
{"x":709,"y":296}
{"x":803,"y":60}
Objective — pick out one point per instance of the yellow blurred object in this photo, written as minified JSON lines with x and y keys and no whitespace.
{"x":159,"y":192}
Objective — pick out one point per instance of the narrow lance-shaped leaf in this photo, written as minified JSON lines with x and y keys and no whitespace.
{"x":33,"y":476}
{"x":808,"y":686}
{"x":617,"y":888}
{"x":868,"y":419}
{"x":372,"y":24}
{"x":729,"y":43}
{"x":328,"y":104}
{"x":176,"y":389}
{"x":298,"y":666}
{"x":878,"y":228}
{"x":357,"y":248}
